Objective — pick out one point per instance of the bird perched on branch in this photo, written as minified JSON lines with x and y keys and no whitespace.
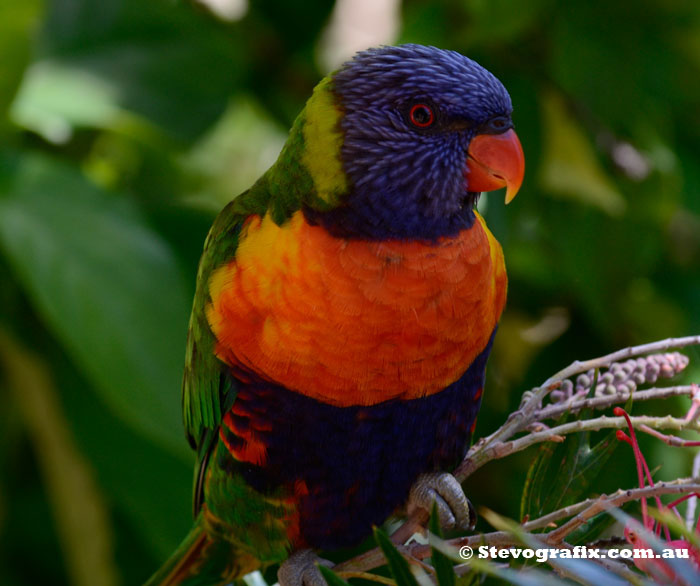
{"x":344,"y":312}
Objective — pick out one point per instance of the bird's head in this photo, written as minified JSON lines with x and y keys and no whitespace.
{"x":403,"y":139}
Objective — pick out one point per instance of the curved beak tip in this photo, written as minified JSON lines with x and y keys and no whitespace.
{"x":511,"y":192}
{"x":496,"y":161}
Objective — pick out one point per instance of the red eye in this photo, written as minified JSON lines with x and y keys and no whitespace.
{"x":421,"y":115}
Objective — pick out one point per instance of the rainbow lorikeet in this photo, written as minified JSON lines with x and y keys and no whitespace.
{"x":345,"y":309}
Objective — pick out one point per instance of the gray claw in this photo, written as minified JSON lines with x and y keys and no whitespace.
{"x":300,"y":569}
{"x":453,"y":507}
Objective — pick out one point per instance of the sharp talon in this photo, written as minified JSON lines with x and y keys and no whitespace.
{"x":301,"y":569}
{"x":473,"y":517}
{"x":453,"y":507}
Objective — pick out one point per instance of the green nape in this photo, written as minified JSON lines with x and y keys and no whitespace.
{"x":308,"y":172}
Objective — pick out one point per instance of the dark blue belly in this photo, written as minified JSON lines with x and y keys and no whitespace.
{"x":358,"y":463}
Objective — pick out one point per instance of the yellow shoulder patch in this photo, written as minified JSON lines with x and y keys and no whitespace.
{"x":323,"y":140}
{"x":500,"y":279}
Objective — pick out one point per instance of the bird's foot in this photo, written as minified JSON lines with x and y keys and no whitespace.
{"x":301,"y":569}
{"x":442,"y":489}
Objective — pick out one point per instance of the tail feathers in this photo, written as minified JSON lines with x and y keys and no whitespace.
{"x":202,"y":560}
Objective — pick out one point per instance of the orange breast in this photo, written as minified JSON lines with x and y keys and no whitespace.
{"x":354,"y":322}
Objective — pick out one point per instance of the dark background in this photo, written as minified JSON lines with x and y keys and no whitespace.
{"x":125,"y":125}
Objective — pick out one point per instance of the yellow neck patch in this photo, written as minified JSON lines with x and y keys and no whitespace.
{"x":323,"y":139}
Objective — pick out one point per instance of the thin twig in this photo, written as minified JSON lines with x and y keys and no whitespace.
{"x":501,"y":450}
{"x":578,"y":514}
{"x":596,"y":424}
{"x":497,"y":445}
{"x":367,"y":576}
{"x":531,"y":411}
{"x":684,"y":486}
{"x":582,"y":513}
{"x":487,"y":448}
{"x":670,"y":440}
{"x":603,"y":402}
{"x":477,"y":455}
{"x":578,"y":366}
{"x":693,"y":501}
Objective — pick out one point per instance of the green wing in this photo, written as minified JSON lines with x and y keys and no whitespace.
{"x":285,"y":188}
{"x":206,"y":391}
{"x":281,"y":191}
{"x":203,"y":396}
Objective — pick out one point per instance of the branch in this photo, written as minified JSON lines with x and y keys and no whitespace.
{"x":529,"y":412}
{"x":497,"y":445}
{"x":578,"y":366}
{"x":681,"y":486}
{"x":557,"y":409}
{"x":603,"y":422}
{"x":578,"y":514}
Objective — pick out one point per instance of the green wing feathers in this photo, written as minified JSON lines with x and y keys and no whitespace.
{"x":307,"y":172}
{"x":202,"y":559}
{"x":202,"y":393}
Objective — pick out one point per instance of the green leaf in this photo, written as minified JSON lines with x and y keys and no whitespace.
{"x":78,"y":506}
{"x":561,"y":474}
{"x":570,"y":167}
{"x":398,"y":565}
{"x":676,"y":525}
{"x":586,"y":570}
{"x":163,"y":61}
{"x":685,"y":572}
{"x":128,"y":467}
{"x":531,"y":499}
{"x":579,"y":467}
{"x":494,"y":21}
{"x":469,"y":579}
{"x":331,"y":577}
{"x":442,"y":564}
{"x":108,"y":287}
{"x":17,"y":23}
{"x":55,"y":98}
{"x":591,"y":530}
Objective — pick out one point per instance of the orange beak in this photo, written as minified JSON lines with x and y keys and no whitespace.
{"x":495,"y":161}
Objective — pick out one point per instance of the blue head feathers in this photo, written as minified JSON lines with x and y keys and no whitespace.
{"x":409,"y":114}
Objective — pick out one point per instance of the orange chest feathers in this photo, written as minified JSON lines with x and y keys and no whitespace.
{"x":352,"y":322}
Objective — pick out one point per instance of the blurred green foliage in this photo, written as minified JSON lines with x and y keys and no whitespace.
{"x":124,"y":127}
